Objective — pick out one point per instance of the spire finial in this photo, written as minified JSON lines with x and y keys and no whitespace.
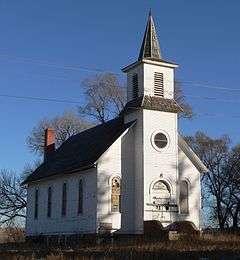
{"x":150,"y":48}
{"x":150,"y":12}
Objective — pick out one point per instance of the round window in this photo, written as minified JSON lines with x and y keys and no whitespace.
{"x":160,"y":140}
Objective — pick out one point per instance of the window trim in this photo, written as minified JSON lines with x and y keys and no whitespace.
{"x":153,"y":141}
{"x":120,"y":196}
{"x":163,"y":179}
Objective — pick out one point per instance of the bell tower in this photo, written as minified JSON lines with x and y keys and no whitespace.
{"x":150,"y":102}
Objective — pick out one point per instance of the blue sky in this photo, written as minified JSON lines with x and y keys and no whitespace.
{"x":202,"y":36}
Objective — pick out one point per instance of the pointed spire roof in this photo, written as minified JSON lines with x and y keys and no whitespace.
{"x":150,"y":48}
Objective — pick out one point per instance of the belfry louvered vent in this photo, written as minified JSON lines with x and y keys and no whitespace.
{"x":135,"y":85}
{"x":158,"y":84}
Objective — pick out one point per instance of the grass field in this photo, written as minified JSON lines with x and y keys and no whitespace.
{"x":209,"y":246}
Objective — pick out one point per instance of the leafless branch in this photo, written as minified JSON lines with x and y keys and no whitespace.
{"x":65,"y":126}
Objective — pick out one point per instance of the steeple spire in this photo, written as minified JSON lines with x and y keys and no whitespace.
{"x":150,"y":48}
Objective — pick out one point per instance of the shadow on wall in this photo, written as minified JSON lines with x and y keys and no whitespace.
{"x":131,"y":213}
{"x":193,"y":186}
{"x":127,"y":201}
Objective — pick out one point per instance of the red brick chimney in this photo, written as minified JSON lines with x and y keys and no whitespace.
{"x":49,"y":145}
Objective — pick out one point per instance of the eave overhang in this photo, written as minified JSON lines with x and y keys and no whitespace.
{"x":191,"y":155}
{"x":161,"y":63}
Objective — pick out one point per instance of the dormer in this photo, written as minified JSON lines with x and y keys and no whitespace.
{"x":150,"y":75}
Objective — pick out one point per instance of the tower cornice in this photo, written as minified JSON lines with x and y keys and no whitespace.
{"x":162,"y":63}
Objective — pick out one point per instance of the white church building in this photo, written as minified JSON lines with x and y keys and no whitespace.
{"x":119,"y":174}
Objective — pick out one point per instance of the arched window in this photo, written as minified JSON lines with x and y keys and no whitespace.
{"x":64,"y":199}
{"x":116,"y":194}
{"x":49,"y":205}
{"x":80,"y":197}
{"x":183,"y":197}
{"x":36,"y":203}
{"x":160,"y":192}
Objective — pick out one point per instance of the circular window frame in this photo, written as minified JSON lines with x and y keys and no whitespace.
{"x":153,"y":142}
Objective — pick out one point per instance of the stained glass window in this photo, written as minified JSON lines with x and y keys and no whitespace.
{"x":116,"y":194}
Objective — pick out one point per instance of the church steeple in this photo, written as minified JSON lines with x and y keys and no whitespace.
{"x":150,"y":48}
{"x":151,"y":75}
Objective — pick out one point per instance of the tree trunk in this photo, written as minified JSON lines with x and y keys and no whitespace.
{"x":235,"y":217}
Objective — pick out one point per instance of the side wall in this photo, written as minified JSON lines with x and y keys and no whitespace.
{"x":118,"y":160}
{"x":72,"y":222}
{"x":189,"y":173}
{"x":109,"y":165}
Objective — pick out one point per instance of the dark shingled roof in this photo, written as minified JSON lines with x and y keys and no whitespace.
{"x":80,"y":151}
{"x":153,"y":103}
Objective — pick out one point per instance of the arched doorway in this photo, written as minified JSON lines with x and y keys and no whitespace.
{"x":160,"y":199}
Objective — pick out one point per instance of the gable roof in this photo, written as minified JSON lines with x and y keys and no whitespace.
{"x":80,"y":151}
{"x":191,"y":155}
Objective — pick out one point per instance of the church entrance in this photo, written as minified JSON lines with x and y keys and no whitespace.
{"x":161,"y":199}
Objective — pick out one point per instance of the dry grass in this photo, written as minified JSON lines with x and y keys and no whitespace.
{"x":211,"y":245}
{"x":12,"y":234}
{"x":59,"y":256}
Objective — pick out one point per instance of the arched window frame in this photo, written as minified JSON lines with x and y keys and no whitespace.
{"x":188,"y":192}
{"x":111,"y":193}
{"x":166,"y":182}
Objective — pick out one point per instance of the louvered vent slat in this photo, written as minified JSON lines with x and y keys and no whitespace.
{"x":158,"y":84}
{"x":135,"y":85}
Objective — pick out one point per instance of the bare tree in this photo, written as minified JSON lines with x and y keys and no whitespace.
{"x":65,"y":126}
{"x":12,"y":197}
{"x":180,"y":99}
{"x":215,"y":155}
{"x":232,"y":178}
{"x":105,"y":97}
